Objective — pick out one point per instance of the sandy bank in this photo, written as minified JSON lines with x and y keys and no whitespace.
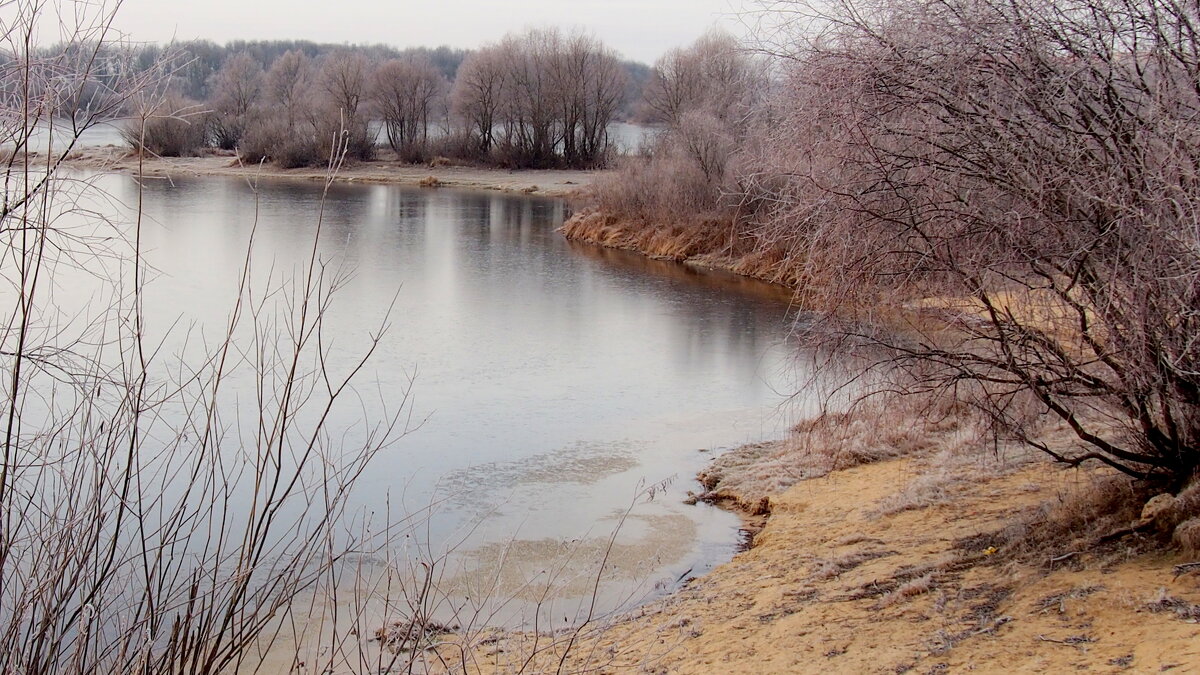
{"x":551,"y":183}
{"x":926,"y":563}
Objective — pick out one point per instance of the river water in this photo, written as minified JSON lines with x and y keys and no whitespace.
{"x":558,"y":390}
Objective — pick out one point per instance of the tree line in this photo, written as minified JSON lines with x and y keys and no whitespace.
{"x":542,"y":98}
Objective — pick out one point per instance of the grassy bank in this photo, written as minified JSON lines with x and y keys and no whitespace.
{"x":705,"y":241}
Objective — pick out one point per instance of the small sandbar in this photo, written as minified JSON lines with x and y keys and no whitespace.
{"x":551,"y":183}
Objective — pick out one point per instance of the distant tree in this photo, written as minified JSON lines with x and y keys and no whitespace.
{"x":709,"y":95}
{"x":541,"y":99}
{"x":407,"y":93}
{"x":529,"y":103}
{"x":201,"y":58}
{"x":637,"y":76}
{"x":339,"y":111}
{"x":236,"y":89}
{"x":477,"y":95}
{"x":713,"y":75}
{"x":343,"y":81}
{"x":280,"y":125}
{"x":287,"y":85}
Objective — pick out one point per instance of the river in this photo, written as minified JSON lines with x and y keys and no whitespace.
{"x":557,"y":390}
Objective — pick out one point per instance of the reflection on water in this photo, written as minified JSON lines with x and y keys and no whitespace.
{"x":557,"y":381}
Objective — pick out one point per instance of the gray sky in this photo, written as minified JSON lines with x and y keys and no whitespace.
{"x":638,"y":29}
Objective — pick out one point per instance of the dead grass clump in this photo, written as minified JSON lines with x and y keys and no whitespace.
{"x":927,"y":489}
{"x":1187,"y":536}
{"x":413,"y":635}
{"x":1166,"y":603}
{"x":907,"y":590}
{"x":699,"y":237}
{"x":1094,"y":512}
{"x":1058,"y":601}
{"x":834,"y":567}
{"x":942,"y":476}
{"x":852,"y":539}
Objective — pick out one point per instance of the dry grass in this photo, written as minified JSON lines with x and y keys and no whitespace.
{"x":1078,"y":519}
{"x":1187,"y":536}
{"x":872,"y":431}
{"x":828,"y":568}
{"x":907,"y":590}
{"x":942,"y":476}
{"x":706,"y":239}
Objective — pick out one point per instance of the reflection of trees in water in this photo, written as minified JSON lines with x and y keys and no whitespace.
{"x":746,"y":314}
{"x":406,"y":205}
{"x":501,"y":253}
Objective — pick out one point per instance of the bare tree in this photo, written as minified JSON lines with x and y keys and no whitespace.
{"x":591,"y":88}
{"x":529,"y":106}
{"x":343,"y":80}
{"x":477,"y":95}
{"x":236,"y":89}
{"x":710,"y":96}
{"x":406,"y":94}
{"x":1028,"y":170}
{"x":713,"y":75}
{"x":550,"y":97}
{"x":307,"y":112}
{"x":287,"y":85}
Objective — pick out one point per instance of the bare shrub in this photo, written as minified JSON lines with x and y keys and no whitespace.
{"x":168,"y":127}
{"x":1032,"y":169}
{"x":155,"y":518}
{"x":1077,"y":518}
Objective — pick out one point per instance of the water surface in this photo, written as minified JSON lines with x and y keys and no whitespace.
{"x":555,"y":382}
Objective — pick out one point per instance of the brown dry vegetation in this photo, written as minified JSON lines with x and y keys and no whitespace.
{"x":704,"y":241}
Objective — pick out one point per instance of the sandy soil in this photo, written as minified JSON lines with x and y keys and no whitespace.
{"x":864,"y":570}
{"x":544,"y":183}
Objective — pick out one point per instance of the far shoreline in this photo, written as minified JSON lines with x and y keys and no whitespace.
{"x":560,"y":183}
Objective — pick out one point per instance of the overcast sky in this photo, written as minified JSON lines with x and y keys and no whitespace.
{"x":638,"y":29}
